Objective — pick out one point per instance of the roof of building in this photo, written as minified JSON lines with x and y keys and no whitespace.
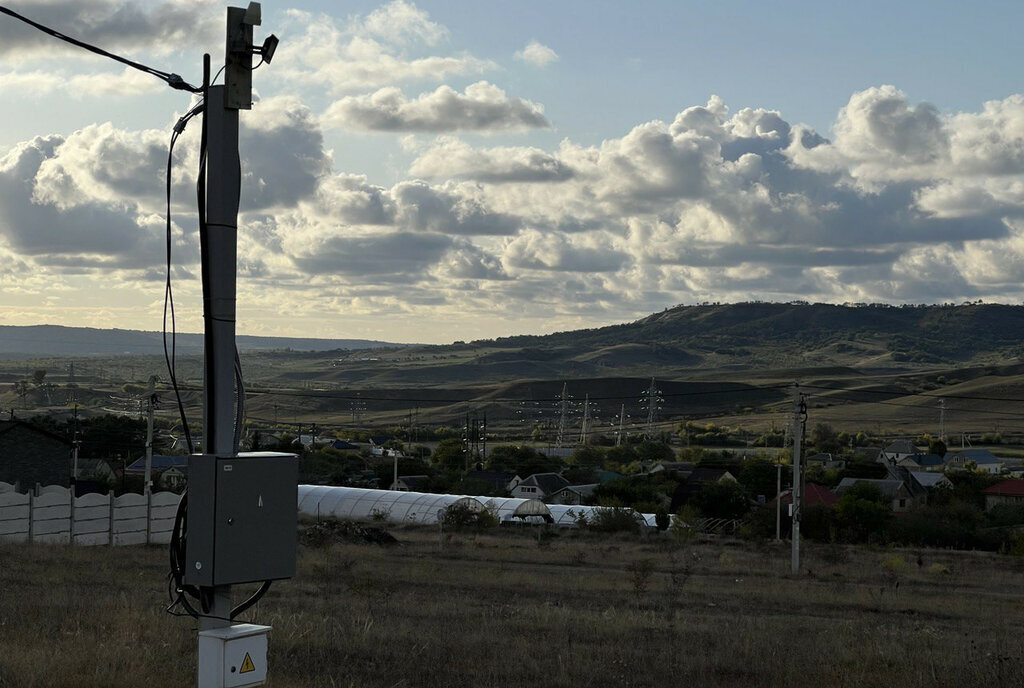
{"x":926,"y":479}
{"x":581,"y":490}
{"x":343,"y":444}
{"x":547,"y":482}
{"x":1012,"y":487}
{"x":708,"y":475}
{"x":414,"y":481}
{"x":978,"y":456}
{"x":889,"y":488}
{"x":901,"y":447}
{"x":161,"y":462}
{"x":679,"y":466}
{"x":929,"y":460}
{"x":497,"y":478}
{"x":814,"y":495}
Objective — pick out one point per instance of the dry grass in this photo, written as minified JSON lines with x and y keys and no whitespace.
{"x":504,"y":609}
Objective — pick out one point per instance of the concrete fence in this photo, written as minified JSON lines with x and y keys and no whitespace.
{"x":52,"y":515}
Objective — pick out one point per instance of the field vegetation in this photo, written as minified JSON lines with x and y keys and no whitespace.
{"x":524,"y":608}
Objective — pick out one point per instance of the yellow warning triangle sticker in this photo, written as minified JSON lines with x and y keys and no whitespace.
{"x":247,"y":665}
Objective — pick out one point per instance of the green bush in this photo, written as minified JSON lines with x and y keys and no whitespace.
{"x":613,"y":520}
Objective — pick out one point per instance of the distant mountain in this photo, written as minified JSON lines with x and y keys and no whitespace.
{"x":795,"y":333}
{"x":55,"y":340}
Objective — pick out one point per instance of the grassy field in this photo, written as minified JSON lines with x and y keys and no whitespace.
{"x":507,"y":609}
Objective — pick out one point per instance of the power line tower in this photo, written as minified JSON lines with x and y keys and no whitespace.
{"x":585,"y":423}
{"x":621,"y":434}
{"x":474,"y":438}
{"x":942,"y":420}
{"x":651,"y":401}
{"x":564,"y":408}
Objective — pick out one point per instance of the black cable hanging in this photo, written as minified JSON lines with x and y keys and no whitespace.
{"x":172,"y":80}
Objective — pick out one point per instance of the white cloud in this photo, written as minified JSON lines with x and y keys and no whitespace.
{"x":450,"y":157}
{"x":115,"y":25}
{"x":481,"y":107}
{"x":403,"y":22}
{"x":381,"y":50}
{"x":537,"y":54}
{"x":905,"y":203}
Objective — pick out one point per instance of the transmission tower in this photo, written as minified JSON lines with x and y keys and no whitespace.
{"x":585,"y":425}
{"x":651,"y":401}
{"x":564,"y":405}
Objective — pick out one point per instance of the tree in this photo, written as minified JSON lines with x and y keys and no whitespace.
{"x":587,"y":457}
{"x":862,"y":513}
{"x":937,"y":447}
{"x":825,"y":438}
{"x":653,"y":452}
{"x":722,"y":499}
{"x":760,"y":477}
{"x":449,"y":455}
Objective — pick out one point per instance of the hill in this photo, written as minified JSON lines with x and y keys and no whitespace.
{"x":55,"y":340}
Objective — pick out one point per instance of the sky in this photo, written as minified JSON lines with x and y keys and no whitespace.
{"x":439,"y":171}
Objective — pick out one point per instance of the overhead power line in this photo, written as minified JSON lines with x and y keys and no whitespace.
{"x":172,"y":80}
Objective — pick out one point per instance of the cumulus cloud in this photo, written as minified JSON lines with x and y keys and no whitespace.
{"x":381,"y":49}
{"x":537,"y":54}
{"x":395,"y":257}
{"x":116,"y":25}
{"x":481,"y":107}
{"x":86,"y":232}
{"x":284,"y":157}
{"x":534,"y":250}
{"x":450,"y":157}
{"x":449,"y":210}
{"x":33,"y":84}
{"x":403,"y":22}
{"x":903,"y":203}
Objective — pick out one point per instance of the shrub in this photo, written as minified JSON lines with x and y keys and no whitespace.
{"x":613,"y":520}
{"x":461,"y":516}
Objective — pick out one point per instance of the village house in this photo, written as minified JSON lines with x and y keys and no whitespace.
{"x":900,"y":496}
{"x":573,"y":494}
{"x":1006,"y":492}
{"x":539,"y":486}
{"x":980,"y":459}
{"x":897,"y":451}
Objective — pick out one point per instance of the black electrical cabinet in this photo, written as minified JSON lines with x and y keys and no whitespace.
{"x":242,"y":518}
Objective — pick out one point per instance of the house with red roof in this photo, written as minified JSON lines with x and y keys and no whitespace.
{"x":814,"y":495}
{"x":1006,"y":492}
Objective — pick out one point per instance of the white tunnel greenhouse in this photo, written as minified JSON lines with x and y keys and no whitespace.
{"x":392,"y":506}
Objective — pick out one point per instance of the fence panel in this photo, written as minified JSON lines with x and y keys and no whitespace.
{"x":161,"y":517}
{"x":6,"y":487}
{"x":14,"y":516}
{"x":51,"y":516}
{"x":129,"y":526}
{"x":92,"y":520}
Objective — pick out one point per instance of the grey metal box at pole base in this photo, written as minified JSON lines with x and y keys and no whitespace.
{"x":242,"y":518}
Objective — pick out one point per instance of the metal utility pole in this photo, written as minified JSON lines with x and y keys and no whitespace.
{"x":622,"y":425}
{"x":942,"y":420}
{"x":799,"y":409}
{"x":219,"y":269}
{"x":585,"y":427}
{"x":563,"y":416}
{"x":653,"y":395}
{"x":778,"y":499}
{"x":147,"y":485}
{"x":241,"y":507}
